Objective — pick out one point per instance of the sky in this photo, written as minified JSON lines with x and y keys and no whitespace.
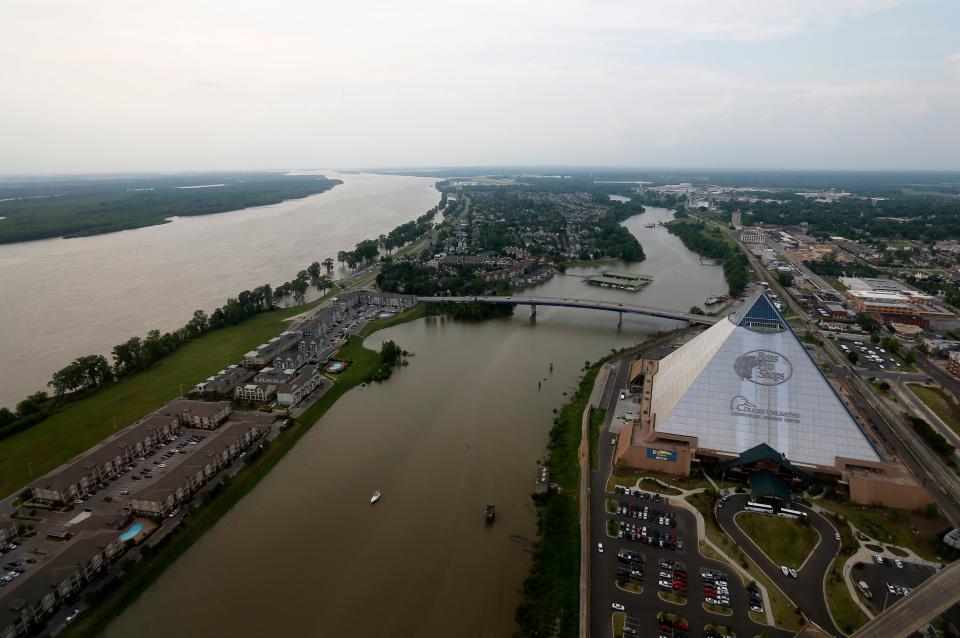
{"x":129,"y":85}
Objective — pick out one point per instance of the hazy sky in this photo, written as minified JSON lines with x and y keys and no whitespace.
{"x":100,"y":85}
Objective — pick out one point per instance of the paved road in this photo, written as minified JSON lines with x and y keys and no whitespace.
{"x":936,"y":373}
{"x":806,"y":591}
{"x":587,"y":304}
{"x":929,"y":600}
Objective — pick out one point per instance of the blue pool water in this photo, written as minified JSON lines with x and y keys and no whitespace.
{"x":132,"y":531}
{"x":336,"y":367}
{"x":384,"y":315}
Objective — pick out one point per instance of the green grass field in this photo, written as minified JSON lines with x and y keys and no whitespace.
{"x":786,"y":542}
{"x":85,"y":423}
{"x":943,"y":405}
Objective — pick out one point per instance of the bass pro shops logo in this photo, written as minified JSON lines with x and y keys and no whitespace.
{"x":763,"y":367}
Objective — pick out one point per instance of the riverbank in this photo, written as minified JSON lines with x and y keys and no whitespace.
{"x":551,"y":593}
{"x":82,"y":424}
{"x":141,"y":575}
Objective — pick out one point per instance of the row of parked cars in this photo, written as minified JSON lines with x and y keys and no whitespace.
{"x":642,"y":512}
{"x":673,"y":576}
{"x":880,"y":560}
{"x":630,"y":567}
{"x":716,"y":588}
{"x":642,"y":534}
{"x":627,"y":491}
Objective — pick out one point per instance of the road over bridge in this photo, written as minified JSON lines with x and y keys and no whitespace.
{"x":926,"y":602}
{"x":588,"y":304}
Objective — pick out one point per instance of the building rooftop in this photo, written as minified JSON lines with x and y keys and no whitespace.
{"x":748,"y":380}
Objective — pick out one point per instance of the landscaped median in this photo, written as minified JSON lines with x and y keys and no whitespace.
{"x":785,"y":541}
{"x":941,"y":402}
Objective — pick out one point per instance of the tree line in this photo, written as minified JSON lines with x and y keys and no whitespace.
{"x":710,"y":242}
{"x":88,"y":373}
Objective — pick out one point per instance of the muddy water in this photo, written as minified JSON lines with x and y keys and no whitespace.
{"x":305,"y":554}
{"x":61,"y":298}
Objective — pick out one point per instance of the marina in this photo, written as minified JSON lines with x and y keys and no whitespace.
{"x":629,"y":282}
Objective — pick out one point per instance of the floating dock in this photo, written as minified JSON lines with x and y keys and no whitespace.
{"x":619,"y":280}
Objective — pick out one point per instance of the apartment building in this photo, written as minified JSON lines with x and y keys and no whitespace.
{"x":297,"y":388}
{"x":205,"y":415}
{"x":178,"y":485}
{"x":225,"y":382}
{"x":953,"y":363}
{"x":28,"y":601}
{"x":265,"y":353}
{"x":81,"y":476}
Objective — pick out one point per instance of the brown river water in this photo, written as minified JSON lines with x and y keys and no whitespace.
{"x":62,"y":298}
{"x":305,"y":554}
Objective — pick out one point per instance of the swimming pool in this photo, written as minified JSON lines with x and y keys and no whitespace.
{"x":335,"y":367}
{"x":132,"y":531}
{"x":385,"y":315}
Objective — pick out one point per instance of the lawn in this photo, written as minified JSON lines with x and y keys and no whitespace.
{"x":629,"y":477}
{"x":85,"y":423}
{"x":846,"y":613}
{"x":943,"y":405}
{"x":899,"y":527}
{"x":596,"y":420}
{"x":786,"y":542}
{"x":417,"y":312}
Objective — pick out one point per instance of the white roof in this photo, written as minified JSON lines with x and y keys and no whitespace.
{"x":748,"y":380}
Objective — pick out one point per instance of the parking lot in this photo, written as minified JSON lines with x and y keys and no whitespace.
{"x":701,"y":594}
{"x":886,"y":582}
{"x":870,"y":356}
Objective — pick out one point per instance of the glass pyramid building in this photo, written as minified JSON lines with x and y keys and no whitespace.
{"x":749,"y":380}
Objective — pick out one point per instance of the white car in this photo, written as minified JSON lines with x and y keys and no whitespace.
{"x":793,"y":573}
{"x":617,"y":606}
{"x":124,"y":492}
{"x":73,"y":614}
{"x":600,"y":547}
{"x":783,"y":568}
{"x":898,"y":563}
{"x":836,"y":535}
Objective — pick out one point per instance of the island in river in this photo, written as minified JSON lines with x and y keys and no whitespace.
{"x":40,"y":208}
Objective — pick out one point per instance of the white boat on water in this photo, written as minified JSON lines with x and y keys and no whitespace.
{"x":376,"y":497}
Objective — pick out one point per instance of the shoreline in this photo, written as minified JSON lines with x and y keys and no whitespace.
{"x":151,"y":567}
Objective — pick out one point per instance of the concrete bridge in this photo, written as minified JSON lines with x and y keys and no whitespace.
{"x":933,"y":597}
{"x":587,"y":304}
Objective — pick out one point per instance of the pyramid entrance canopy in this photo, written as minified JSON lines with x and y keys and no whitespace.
{"x":748,"y":380}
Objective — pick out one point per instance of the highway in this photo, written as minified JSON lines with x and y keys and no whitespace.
{"x":586,"y":304}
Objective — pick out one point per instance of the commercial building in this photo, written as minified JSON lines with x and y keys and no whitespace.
{"x":893,"y":301}
{"x":80,"y":476}
{"x":746,"y":387}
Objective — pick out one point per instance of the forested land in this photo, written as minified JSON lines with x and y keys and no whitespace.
{"x":75,"y":207}
{"x":711,"y":242}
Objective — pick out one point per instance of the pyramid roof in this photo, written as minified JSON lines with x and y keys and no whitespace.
{"x":748,"y":380}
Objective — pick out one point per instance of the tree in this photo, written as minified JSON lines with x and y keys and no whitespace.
{"x":6,"y":417}
{"x":696,"y":310}
{"x":910,"y":357}
{"x":874,"y":339}
{"x":785,"y":279}
{"x":32,"y":404}
{"x":853,"y":357}
{"x":328,"y":264}
{"x":198,"y":324}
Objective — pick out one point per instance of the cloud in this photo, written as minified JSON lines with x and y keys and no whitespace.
{"x":955,"y":58}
